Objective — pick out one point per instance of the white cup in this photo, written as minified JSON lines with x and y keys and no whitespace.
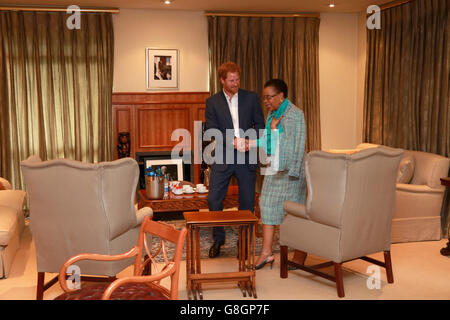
{"x":201,"y":189}
{"x":177,"y":191}
{"x":200,"y":186}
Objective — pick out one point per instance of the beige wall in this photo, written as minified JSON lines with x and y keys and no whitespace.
{"x":135,"y":30}
{"x":361,"y":75}
{"x":341,"y":62}
{"x":338,"y":38}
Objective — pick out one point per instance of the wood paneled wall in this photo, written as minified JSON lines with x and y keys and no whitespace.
{"x":150,"y":118}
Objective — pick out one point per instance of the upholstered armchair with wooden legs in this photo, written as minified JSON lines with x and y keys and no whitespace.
{"x":80,"y":207}
{"x":139,"y":286}
{"x":348,"y":212}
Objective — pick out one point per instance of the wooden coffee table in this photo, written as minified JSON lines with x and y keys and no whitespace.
{"x":245,"y":276}
{"x":184,"y":202}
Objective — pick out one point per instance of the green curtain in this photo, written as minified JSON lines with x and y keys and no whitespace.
{"x":55,"y":88}
{"x":269,"y":47}
{"x":407,"y":78}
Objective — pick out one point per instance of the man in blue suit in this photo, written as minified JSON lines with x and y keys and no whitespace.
{"x":231,"y":109}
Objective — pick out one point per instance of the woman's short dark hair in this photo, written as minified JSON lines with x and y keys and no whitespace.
{"x":278,"y":85}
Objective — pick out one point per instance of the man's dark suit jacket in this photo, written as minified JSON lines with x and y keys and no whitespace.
{"x":218,"y":116}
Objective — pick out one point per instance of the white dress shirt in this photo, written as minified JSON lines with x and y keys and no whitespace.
{"x":233,"y":105}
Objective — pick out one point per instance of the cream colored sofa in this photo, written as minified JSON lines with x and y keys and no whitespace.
{"x":419,"y":196}
{"x":12,"y":222}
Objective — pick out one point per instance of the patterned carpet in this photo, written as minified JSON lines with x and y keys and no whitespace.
{"x":229,"y":249}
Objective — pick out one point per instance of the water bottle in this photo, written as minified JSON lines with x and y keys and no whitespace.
{"x":166,"y":186}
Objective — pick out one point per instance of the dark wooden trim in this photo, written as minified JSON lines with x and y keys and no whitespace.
{"x":339,"y":280}
{"x":40,"y":286}
{"x":388,"y":266}
{"x":283,"y":262}
{"x":311,"y":270}
{"x":57,"y":9}
{"x":160,"y":93}
{"x":322,"y":265}
{"x":159,"y":102}
{"x":98,"y":279}
{"x":51,"y":283}
{"x":374,"y":261}
{"x":393,"y":4}
{"x":263,"y":14}
{"x":133,"y":98}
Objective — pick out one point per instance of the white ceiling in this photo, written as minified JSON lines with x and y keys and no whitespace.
{"x":216,"y":5}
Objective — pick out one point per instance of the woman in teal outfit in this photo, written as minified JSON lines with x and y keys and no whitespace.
{"x":284,"y":139}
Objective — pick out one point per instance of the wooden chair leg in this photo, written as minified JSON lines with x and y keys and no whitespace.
{"x":339,"y":280}
{"x":40,"y":286}
{"x":388,"y":263}
{"x":283,"y":262}
{"x":299,"y":257}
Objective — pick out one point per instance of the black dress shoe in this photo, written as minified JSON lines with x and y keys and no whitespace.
{"x":214,"y":251}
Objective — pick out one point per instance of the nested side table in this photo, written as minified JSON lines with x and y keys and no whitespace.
{"x":245,"y":275}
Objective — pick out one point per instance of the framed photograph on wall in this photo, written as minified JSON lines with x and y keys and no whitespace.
{"x":161,"y":68}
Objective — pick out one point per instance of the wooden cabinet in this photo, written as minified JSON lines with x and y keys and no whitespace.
{"x":151,"y":118}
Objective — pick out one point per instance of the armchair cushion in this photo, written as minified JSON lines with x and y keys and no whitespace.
{"x":13,"y":199}
{"x":296,"y":209}
{"x":429,"y":169}
{"x":405,"y":170}
{"x":8,"y":222}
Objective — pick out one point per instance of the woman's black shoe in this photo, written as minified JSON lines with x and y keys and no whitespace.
{"x":269,"y":259}
{"x":214,"y":251}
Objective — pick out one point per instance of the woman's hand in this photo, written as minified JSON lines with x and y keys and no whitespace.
{"x":275,"y":122}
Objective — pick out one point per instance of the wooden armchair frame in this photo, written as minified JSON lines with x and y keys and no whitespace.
{"x":170,"y":269}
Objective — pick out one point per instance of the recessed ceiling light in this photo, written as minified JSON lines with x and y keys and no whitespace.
{"x":167,"y":1}
{"x":331,"y":5}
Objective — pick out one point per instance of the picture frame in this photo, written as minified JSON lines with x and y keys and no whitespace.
{"x":161,"y":67}
{"x":174,"y":167}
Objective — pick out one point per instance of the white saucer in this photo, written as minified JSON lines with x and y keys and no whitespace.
{"x":206,"y":191}
{"x":188,"y":192}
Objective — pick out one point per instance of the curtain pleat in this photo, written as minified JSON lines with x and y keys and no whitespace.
{"x":266,"y":48}
{"x":407,"y":78}
{"x":55,"y":90}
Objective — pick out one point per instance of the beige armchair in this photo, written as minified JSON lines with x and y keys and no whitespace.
{"x":78,"y":207}
{"x":348,"y":212}
{"x":12,"y":222}
{"x":419,"y":196}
